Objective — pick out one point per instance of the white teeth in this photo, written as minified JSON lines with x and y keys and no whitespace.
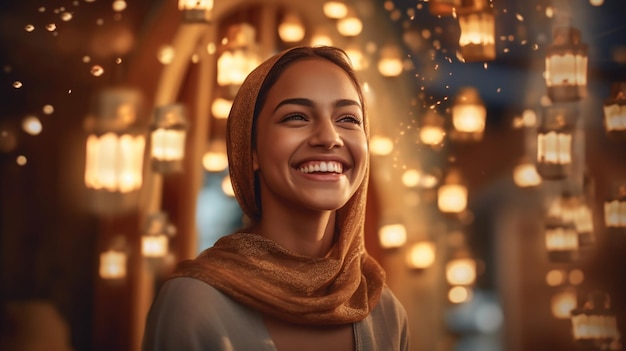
{"x":326,"y":167}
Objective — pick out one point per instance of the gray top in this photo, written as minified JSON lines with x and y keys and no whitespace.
{"x":191,"y":315}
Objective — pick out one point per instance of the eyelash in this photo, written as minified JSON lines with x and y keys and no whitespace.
{"x":350,"y":118}
{"x":294,"y":116}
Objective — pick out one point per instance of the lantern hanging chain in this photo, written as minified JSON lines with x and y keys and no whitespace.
{"x":563,"y":12}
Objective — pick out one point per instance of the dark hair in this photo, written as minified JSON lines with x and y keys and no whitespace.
{"x":330,"y":53}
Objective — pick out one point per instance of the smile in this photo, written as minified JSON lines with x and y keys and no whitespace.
{"x":321,"y":167}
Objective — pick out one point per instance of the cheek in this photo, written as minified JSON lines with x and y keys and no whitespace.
{"x":360,"y":149}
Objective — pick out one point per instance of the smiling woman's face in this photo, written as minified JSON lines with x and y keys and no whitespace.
{"x":311,"y":148}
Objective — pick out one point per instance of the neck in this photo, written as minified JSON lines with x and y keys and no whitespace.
{"x":308,"y":234}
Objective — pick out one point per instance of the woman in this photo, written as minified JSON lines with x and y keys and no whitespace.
{"x":298,"y":277}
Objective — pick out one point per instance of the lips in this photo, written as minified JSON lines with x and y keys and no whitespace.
{"x":321,"y":167}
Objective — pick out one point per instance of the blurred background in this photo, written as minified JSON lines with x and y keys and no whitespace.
{"x":497,"y":201}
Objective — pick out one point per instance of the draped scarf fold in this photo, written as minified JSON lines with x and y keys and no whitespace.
{"x":341,"y":287}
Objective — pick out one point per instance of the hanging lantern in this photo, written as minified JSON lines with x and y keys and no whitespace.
{"x":291,"y":29}
{"x":554,"y":143}
{"x":594,"y":325}
{"x":561,"y":240}
{"x":115,"y":151}
{"x":432,"y":132}
{"x":390,"y":62}
{"x":113,"y":261}
{"x":443,"y":7}
{"x":421,"y":255}
{"x":615,"y":209}
{"x":196,"y":10}
{"x":563,"y":303}
{"x":477,"y":23}
{"x":215,"y":158}
{"x":220,"y":108}
{"x":335,"y":9}
{"x":566,"y":66}
{"x":169,"y":132}
{"x":615,"y":112}
{"x":461,"y":271}
{"x":452,"y":194}
{"x":392,"y":235}
{"x":113,"y":264}
{"x":525,"y":174}
{"x":381,"y":145}
{"x":357,"y":58}
{"x":156,"y":235}
{"x":584,"y":225}
{"x":321,"y":37}
{"x":468,"y":116}
{"x":350,"y":25}
{"x":459,"y":294}
{"x":570,"y":208}
{"x":240,"y":55}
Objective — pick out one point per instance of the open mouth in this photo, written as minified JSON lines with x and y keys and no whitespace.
{"x":321,"y":167}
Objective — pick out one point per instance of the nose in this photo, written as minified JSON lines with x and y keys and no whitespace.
{"x":325,"y":134}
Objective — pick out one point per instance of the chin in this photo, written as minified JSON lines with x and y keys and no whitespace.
{"x":327,"y":205}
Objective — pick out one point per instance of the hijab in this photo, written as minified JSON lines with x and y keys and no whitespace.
{"x":341,"y":287}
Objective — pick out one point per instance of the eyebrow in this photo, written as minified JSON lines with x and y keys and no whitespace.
{"x":309,"y":103}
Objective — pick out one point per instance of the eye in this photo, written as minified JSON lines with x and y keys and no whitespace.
{"x":294,"y":117}
{"x":350,"y":119}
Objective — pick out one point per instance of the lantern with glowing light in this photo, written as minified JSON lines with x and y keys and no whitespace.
{"x":615,"y":209}
{"x":566,"y":66}
{"x":390,"y":62}
{"x":421,"y":255}
{"x":525,"y":174}
{"x":239,"y":56}
{"x":594,"y":325}
{"x":555,"y":142}
{"x":452,"y":194}
{"x":113,"y":261}
{"x":561,"y":240}
{"x":335,"y":9}
{"x":113,"y":264}
{"x":357,"y":58}
{"x":167,"y":138}
{"x":196,"y":10}
{"x":584,"y":224}
{"x":461,"y":271}
{"x":321,"y":37}
{"x":468,"y":116}
{"x":615,"y":112}
{"x":115,"y":151}
{"x":156,"y":235}
{"x":215,"y":158}
{"x":350,"y":25}
{"x":571,"y":208}
{"x":432,"y":131}
{"x":443,"y":7}
{"x":563,"y":303}
{"x":392,"y":235}
{"x":220,"y":107}
{"x":477,"y":22}
{"x":291,"y":29}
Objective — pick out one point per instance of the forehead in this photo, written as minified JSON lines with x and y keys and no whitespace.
{"x":314,"y":77}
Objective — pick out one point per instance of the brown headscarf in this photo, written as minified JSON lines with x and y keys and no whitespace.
{"x":342,"y":287}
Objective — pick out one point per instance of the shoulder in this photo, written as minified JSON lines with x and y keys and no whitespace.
{"x":192,"y":298}
{"x":192,"y":315}
{"x":386,"y":328}
{"x":389,"y":306}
